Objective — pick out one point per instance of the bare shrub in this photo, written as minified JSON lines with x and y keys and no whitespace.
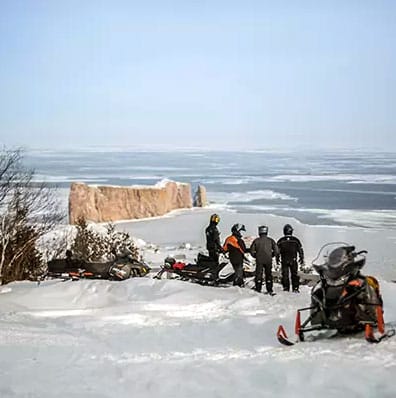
{"x":28,"y":211}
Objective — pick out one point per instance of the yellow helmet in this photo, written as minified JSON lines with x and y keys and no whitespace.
{"x":214,"y":218}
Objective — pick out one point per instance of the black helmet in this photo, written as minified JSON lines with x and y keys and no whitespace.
{"x":215,"y":218}
{"x":288,"y":229}
{"x":169,"y":262}
{"x":237,"y":228}
{"x":263,"y":230}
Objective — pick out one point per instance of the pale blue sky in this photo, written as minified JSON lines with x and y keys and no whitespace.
{"x":219,"y":74}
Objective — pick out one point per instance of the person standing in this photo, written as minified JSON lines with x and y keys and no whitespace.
{"x":235,"y":246}
{"x":289,"y":248}
{"x":213,"y":244}
{"x":263,"y":249}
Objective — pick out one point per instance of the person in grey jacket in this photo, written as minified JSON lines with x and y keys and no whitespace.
{"x":263,"y":249}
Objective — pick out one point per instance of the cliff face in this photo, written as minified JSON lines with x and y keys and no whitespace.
{"x":111,"y":203}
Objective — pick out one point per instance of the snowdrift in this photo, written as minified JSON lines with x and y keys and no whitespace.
{"x":167,"y":338}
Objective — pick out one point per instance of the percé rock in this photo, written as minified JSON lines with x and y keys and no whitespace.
{"x":200,"y":199}
{"x":112,"y":203}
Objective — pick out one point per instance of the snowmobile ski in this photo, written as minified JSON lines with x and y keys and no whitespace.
{"x":371,"y":338}
{"x":282,"y":336}
{"x":369,"y":331}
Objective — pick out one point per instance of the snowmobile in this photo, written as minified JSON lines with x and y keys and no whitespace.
{"x":205,"y":271}
{"x":343,"y":299}
{"x":123,"y":267}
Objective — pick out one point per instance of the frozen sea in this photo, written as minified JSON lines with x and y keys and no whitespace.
{"x":327,"y":188}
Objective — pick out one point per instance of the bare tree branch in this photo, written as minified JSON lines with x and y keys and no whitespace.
{"x":28,"y":210}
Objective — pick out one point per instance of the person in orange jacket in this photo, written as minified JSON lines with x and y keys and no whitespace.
{"x":235,"y":246}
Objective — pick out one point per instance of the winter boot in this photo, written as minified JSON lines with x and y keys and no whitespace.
{"x":258,"y":286}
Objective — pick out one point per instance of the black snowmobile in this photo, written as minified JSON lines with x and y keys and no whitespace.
{"x":343,"y":299}
{"x":123,"y":267}
{"x":205,"y":271}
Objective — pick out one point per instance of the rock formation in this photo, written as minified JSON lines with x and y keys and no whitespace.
{"x":111,"y":203}
{"x":200,"y":199}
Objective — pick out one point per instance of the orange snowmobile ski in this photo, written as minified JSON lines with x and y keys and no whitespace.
{"x":301,"y":329}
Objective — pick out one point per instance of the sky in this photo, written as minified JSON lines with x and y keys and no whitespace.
{"x":209,"y":74}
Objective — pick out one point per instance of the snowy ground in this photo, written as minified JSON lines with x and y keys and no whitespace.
{"x":146,"y":338}
{"x":172,"y":233}
{"x":167,"y":338}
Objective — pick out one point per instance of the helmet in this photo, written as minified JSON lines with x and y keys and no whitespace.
{"x":214,"y":218}
{"x":169,"y":262}
{"x":263,"y":230}
{"x":288,"y":229}
{"x":237,"y":228}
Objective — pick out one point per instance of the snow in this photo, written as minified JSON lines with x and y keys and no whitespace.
{"x":187,"y":226}
{"x":167,"y":338}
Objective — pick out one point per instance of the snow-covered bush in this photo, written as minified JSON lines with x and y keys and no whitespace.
{"x":93,"y":244}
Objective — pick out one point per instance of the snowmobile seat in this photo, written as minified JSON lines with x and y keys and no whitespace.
{"x":63,"y":265}
{"x":202,"y":258}
{"x":99,"y":269}
{"x":194,"y":267}
{"x":205,"y":261}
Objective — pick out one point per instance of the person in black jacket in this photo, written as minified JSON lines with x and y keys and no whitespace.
{"x":289,"y":248}
{"x":213,"y":244}
{"x":263,"y":249}
{"x":235,"y":246}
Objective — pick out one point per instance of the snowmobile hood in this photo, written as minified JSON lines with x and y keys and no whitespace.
{"x":336,"y":260}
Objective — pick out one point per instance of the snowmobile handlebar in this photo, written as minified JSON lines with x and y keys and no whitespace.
{"x":351,"y":250}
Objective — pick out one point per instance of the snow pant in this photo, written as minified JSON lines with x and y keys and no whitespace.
{"x":214,"y":255}
{"x":290,"y":266}
{"x":238,"y":276}
{"x":258,"y":280}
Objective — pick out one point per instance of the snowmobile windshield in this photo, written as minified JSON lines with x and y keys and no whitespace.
{"x":337,"y":259}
